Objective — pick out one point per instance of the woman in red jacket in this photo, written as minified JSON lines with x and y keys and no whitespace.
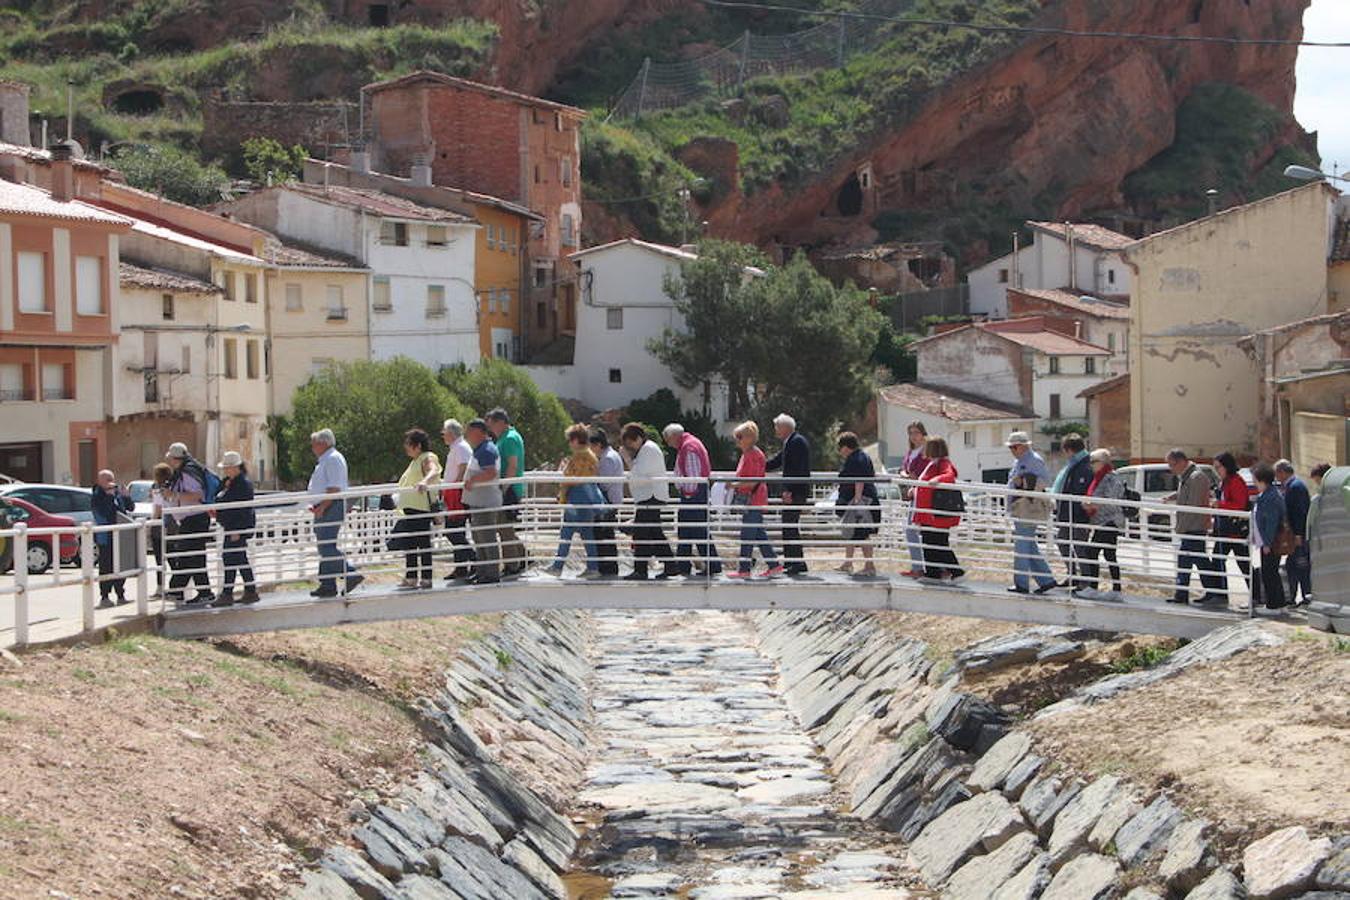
{"x":934,"y":513}
{"x":1230,"y":534}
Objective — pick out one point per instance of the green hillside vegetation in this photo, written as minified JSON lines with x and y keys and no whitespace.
{"x":313,"y":57}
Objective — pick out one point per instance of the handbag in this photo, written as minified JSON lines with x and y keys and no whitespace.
{"x":1028,"y":509}
{"x":1283,"y":544}
{"x":855,"y":516}
{"x":948,"y":500}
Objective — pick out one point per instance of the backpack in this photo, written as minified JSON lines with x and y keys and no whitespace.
{"x":1131,"y":512}
{"x":948,"y":500}
{"x":210,"y":480}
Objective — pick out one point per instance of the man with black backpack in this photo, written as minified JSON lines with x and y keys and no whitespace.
{"x":191,"y":485}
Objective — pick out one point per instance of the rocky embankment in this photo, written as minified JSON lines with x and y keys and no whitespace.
{"x":985,"y":815}
{"x":506,"y":748}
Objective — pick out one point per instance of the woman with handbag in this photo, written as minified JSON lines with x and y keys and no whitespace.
{"x":238,"y":525}
{"x":580,"y":499}
{"x":858,"y":505}
{"x":1231,"y":535}
{"x":415,"y":490}
{"x":1270,"y":530}
{"x":912,"y":467}
{"x":937,"y":512}
{"x":752,"y":497}
{"x":1107,"y":521}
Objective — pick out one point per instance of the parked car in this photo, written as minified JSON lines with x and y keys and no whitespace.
{"x":140,"y":495}
{"x":1154,"y":481}
{"x":40,"y":555}
{"x":57,"y":499}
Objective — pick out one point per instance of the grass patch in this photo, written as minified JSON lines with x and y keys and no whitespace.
{"x":83,"y":675}
{"x":1143,"y":658}
{"x":504,"y":659}
{"x":7,"y":717}
{"x":276,"y":682}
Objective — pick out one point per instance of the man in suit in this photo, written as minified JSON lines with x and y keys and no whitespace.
{"x":1297,"y":502}
{"x":794,"y":461}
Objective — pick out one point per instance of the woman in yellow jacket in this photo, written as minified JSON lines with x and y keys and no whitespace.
{"x":580,"y":498}
{"x":416,"y":487}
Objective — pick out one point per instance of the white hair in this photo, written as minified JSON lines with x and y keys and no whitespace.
{"x":783,"y":420}
{"x":323,"y":436}
{"x":453,"y":426}
{"x":674,"y":429}
{"x":1283,"y":465}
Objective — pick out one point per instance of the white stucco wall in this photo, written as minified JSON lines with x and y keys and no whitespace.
{"x":990,"y":452}
{"x":177,"y":391}
{"x":1044,"y":265}
{"x":49,"y":421}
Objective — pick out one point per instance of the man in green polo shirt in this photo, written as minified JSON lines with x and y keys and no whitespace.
{"x":511,"y":446}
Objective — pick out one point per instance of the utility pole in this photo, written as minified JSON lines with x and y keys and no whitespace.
{"x":841,"y":47}
{"x":642,"y":89}
{"x":745,"y":61}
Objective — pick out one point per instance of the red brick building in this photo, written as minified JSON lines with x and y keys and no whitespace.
{"x":439,"y":129}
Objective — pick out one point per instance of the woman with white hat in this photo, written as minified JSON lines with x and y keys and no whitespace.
{"x":238,"y":525}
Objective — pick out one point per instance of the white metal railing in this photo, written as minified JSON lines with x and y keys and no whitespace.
{"x":692,"y":536}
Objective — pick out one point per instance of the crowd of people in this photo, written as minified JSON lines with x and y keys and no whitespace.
{"x":475,"y":494}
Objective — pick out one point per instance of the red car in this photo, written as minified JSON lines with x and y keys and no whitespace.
{"x":40,"y":556}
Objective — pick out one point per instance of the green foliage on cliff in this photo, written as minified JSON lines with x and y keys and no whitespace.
{"x":172,"y":172}
{"x":630,"y":175}
{"x":1221,"y":130}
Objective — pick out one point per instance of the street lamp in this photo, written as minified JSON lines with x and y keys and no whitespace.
{"x":1303,"y":173}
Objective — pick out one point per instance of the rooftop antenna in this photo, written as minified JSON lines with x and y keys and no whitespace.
{"x":1212,"y":196}
{"x":70,"y":108}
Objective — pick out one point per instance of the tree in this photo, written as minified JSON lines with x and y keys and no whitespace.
{"x":783,"y":338}
{"x":893,"y":351}
{"x":723,"y":334}
{"x":169,"y":171}
{"x":369,"y":405}
{"x":819,"y":341}
{"x":268,"y":162}
{"x":663,"y":407}
{"x":538,"y":416}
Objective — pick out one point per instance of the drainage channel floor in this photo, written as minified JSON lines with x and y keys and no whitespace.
{"x":704,"y":786}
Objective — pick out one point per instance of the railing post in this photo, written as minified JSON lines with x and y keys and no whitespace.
{"x":143,"y":557}
{"x":87,"y":574}
{"x":21,"y":582}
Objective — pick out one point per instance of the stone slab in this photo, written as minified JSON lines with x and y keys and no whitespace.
{"x":981,"y":824}
{"x":982,"y":875}
{"x":1283,"y":863}
{"x":1087,"y":877}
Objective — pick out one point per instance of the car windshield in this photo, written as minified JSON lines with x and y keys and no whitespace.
{"x":140,"y":491}
{"x":1159,"y":481}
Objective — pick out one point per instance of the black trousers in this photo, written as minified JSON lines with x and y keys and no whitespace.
{"x":792,"y":534}
{"x":1101,"y":543}
{"x":187,"y":553}
{"x":457,"y":532}
{"x":414,"y":531}
{"x":606,"y":544}
{"x":1269,"y":588}
{"x":938,"y":557}
{"x":649,"y":538}
{"x":695,"y":539}
{"x":107,"y":564}
{"x":235,"y":556}
{"x":1072,"y":541}
{"x":1236,"y":545}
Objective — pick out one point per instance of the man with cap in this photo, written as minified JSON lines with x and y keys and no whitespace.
{"x":187,"y":547}
{"x":1029,"y":473}
{"x":329,"y":477}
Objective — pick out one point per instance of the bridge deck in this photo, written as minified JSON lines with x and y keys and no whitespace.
{"x":374,"y":603}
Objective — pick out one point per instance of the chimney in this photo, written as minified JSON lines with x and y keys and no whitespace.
{"x":63,"y":171}
{"x":359,"y":160}
{"x":420,"y":175}
{"x":1073,"y":256}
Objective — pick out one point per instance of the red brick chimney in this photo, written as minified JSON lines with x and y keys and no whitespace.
{"x":63,"y":172}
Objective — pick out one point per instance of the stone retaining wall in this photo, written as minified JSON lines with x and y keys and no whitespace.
{"x":506,"y":750}
{"x":985,"y":816}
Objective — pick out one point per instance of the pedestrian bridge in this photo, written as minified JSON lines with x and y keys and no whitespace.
{"x":284,"y":554}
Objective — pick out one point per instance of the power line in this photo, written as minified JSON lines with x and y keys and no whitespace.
{"x":1022,"y":29}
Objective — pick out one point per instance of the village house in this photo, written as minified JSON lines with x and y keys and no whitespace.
{"x":1079,"y":258}
{"x":1098,"y":320}
{"x":421,"y":259}
{"x":1303,"y":396}
{"x":59,"y":323}
{"x":1108,"y":414}
{"x":317,"y":315}
{"x":505,"y":144}
{"x":976,"y":430}
{"x":213,"y":349}
{"x":1019,"y":363}
{"x":623,"y":306}
{"x":1198,"y":290}
{"x":501,"y":249}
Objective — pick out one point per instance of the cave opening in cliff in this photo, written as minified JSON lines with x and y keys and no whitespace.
{"x":849,"y":200}
{"x":143,"y":102}
{"x":377,"y":15}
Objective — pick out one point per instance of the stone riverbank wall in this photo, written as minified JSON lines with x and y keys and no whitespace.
{"x":506,"y":750}
{"x":987,"y":818}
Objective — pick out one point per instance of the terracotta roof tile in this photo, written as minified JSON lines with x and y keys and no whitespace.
{"x":134,"y":276}
{"x":25,"y":200}
{"x":378,"y":203}
{"x":954,"y":405}
{"x":38,"y":155}
{"x":466,"y":84}
{"x":293,"y":253}
{"x":1078,"y":302}
{"x":1092,"y":235}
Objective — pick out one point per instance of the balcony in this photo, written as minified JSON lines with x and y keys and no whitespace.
{"x":56,"y":394}
{"x":338,"y":314}
{"x":14,"y":395}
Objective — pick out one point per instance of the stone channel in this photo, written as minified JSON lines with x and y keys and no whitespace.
{"x":703,"y":784}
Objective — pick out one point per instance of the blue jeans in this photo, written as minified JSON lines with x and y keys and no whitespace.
{"x":914,"y":541}
{"x":331,"y":560}
{"x":577,"y":520}
{"x":1191,"y":553}
{"x":1298,"y":567}
{"x":1027,"y":559}
{"x":691,"y":529}
{"x":753,"y":534}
